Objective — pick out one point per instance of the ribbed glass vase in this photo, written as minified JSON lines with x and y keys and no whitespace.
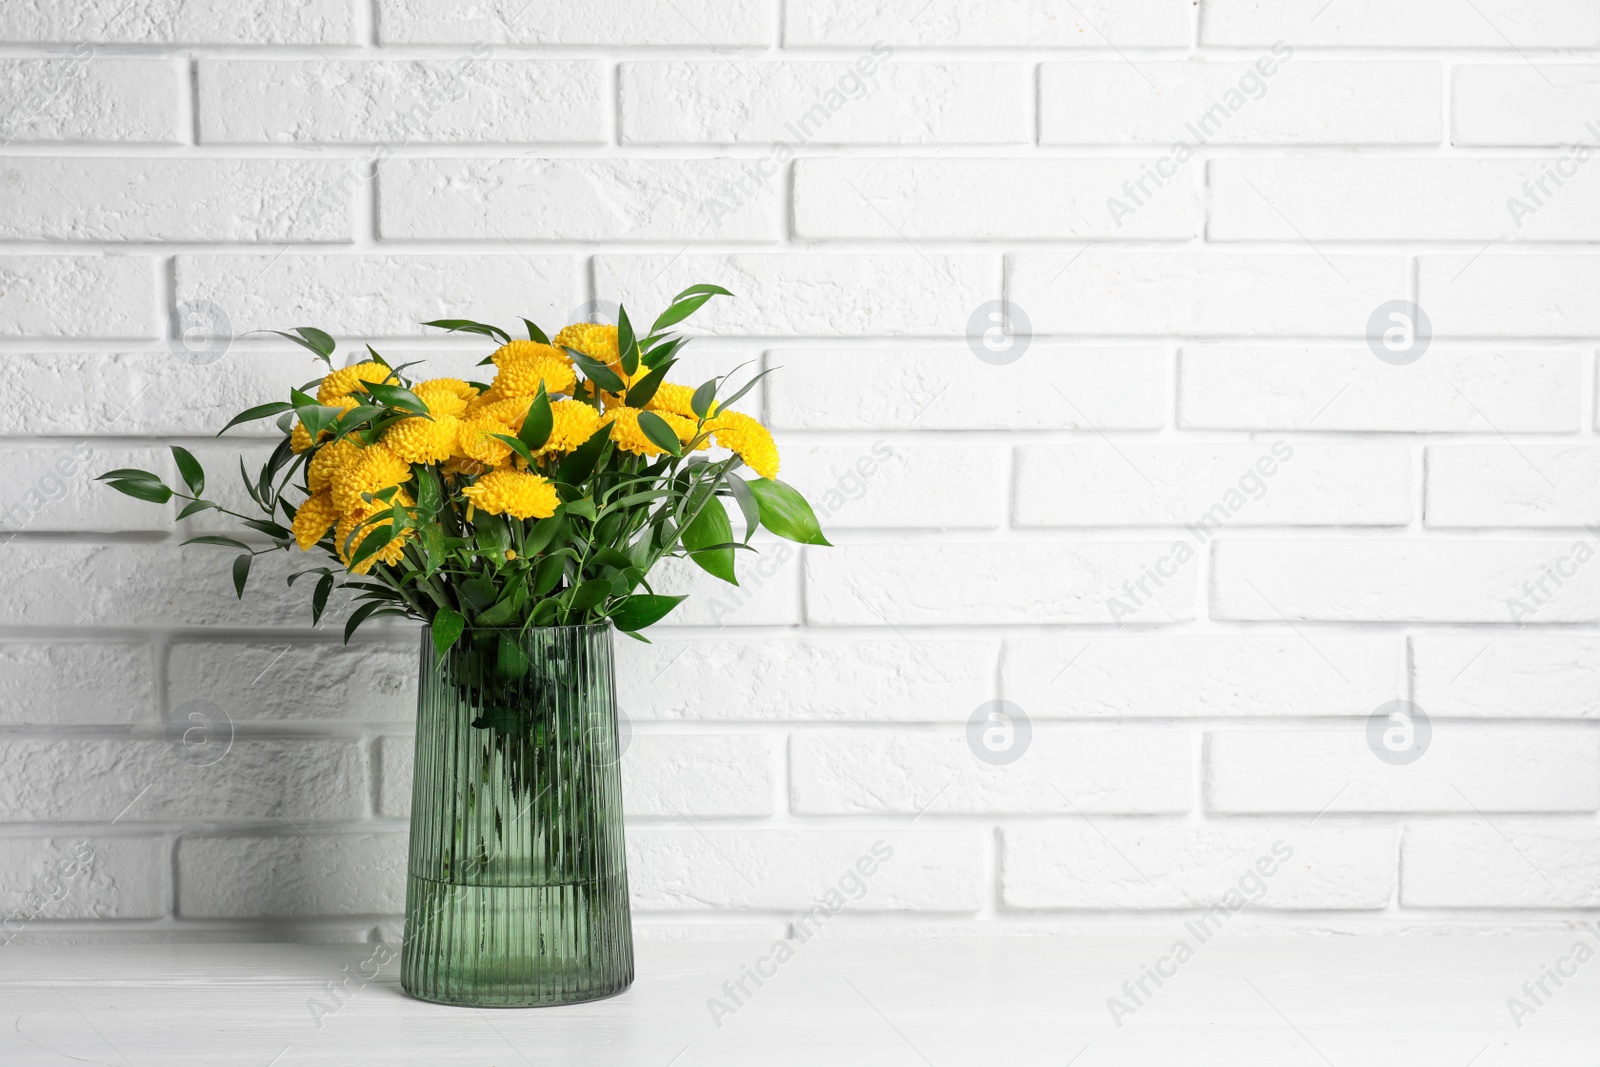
{"x":517,"y":887}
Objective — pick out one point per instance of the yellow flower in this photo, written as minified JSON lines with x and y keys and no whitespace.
{"x":747,"y":439}
{"x":329,"y":458}
{"x":626,"y":433}
{"x":378,"y":468}
{"x":675,"y":399}
{"x":340,"y":383}
{"x":423,"y":440}
{"x":571,"y":424}
{"x":315,"y":518}
{"x":300,"y":437}
{"x":475,"y":438}
{"x":523,"y":365}
{"x":592,"y":339}
{"x":516,"y":493}
{"x":445,"y":396}
{"x":392,"y":552}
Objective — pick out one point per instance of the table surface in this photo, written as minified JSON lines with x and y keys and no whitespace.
{"x":1334,"y":1001}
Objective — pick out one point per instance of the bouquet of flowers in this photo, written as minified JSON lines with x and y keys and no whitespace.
{"x":543,"y":496}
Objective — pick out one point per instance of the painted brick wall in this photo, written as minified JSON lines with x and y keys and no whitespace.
{"x":1182,"y":505}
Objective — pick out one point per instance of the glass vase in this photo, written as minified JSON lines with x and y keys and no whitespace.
{"x":517,"y":884}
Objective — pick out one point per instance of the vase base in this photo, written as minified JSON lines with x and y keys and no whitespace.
{"x":516,"y":946}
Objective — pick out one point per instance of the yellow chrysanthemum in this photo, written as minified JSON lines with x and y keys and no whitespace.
{"x":675,"y":399}
{"x":424,"y":440}
{"x":516,"y":493}
{"x":626,"y":433}
{"x":572,"y":423}
{"x":329,"y":458}
{"x":475,"y":439}
{"x":445,"y":396}
{"x":378,"y":468}
{"x":392,"y":552}
{"x":592,"y":339}
{"x":315,"y":518}
{"x":340,"y":383}
{"x":747,"y":439}
{"x":522,"y":365}
{"x":300,"y":437}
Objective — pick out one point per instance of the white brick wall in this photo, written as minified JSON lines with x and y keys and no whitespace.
{"x":1197,"y":534}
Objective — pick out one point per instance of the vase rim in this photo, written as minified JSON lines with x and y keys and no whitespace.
{"x":603,"y":624}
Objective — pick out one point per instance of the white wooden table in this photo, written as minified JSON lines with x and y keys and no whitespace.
{"x":1346,"y":1002}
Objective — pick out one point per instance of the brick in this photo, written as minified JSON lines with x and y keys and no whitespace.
{"x":946,"y":23}
{"x":78,"y":584}
{"x":1350,"y":389}
{"x":90,"y":780}
{"x":822,"y":294}
{"x":294,"y":681}
{"x":254,"y":22}
{"x":967,"y":199}
{"x":1510,"y":296}
{"x":930,"y":389}
{"x":1098,"y":676}
{"x":988,"y":583}
{"x":1513,"y":676}
{"x":378,"y":295}
{"x":62,"y":683}
{"x":1498,"y":769}
{"x":1371,"y":199}
{"x":1504,"y":864}
{"x":869,"y":100}
{"x":691,"y":869}
{"x":768,"y":593}
{"x":1210,"y":487}
{"x":1117,"y":864}
{"x":291,"y":876}
{"x":172,"y":199}
{"x":1531,"y":485}
{"x":89,"y":98}
{"x":1551,"y":105}
{"x":1263,"y":100}
{"x":50,"y":487}
{"x":80,"y":878}
{"x":1405,"y":581}
{"x":896,"y":772}
{"x":805,"y":678}
{"x":698,"y":23}
{"x":394,"y":766}
{"x":1110,"y":291}
{"x":574,"y":199}
{"x":147,"y":394}
{"x":111,"y":296}
{"x":673,"y":776}
{"x":459,"y":99}
{"x":900,"y":485}
{"x":1498,"y":24}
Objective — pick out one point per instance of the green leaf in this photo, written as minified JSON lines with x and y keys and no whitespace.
{"x":643,"y":609}
{"x":587,"y":595}
{"x":217,"y":539}
{"x":642,"y":391}
{"x":271,"y":529}
{"x":747,"y":503}
{"x":711,"y":528}
{"x":310,"y":337}
{"x":446,"y":629}
{"x":627,"y":345}
{"x":547,"y":576}
{"x":319,"y":597}
{"x":365,"y":612}
{"x":652,"y":356}
{"x":543,"y":531}
{"x":516,"y":446}
{"x":129,"y":474}
{"x":195,"y":507}
{"x":597,"y":372}
{"x":154,"y":492}
{"x":703,"y":398}
{"x":241,"y":572}
{"x":785,"y":512}
{"x":687,"y":303}
{"x":260,"y":411}
{"x":534,"y":333}
{"x":745,"y":388}
{"x":660,"y":434}
{"x":538,"y":422}
{"x":468,"y":326}
{"x":394,"y":396}
{"x":581,"y":463}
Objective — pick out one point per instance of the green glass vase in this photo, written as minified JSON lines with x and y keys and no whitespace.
{"x":517,"y":885}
